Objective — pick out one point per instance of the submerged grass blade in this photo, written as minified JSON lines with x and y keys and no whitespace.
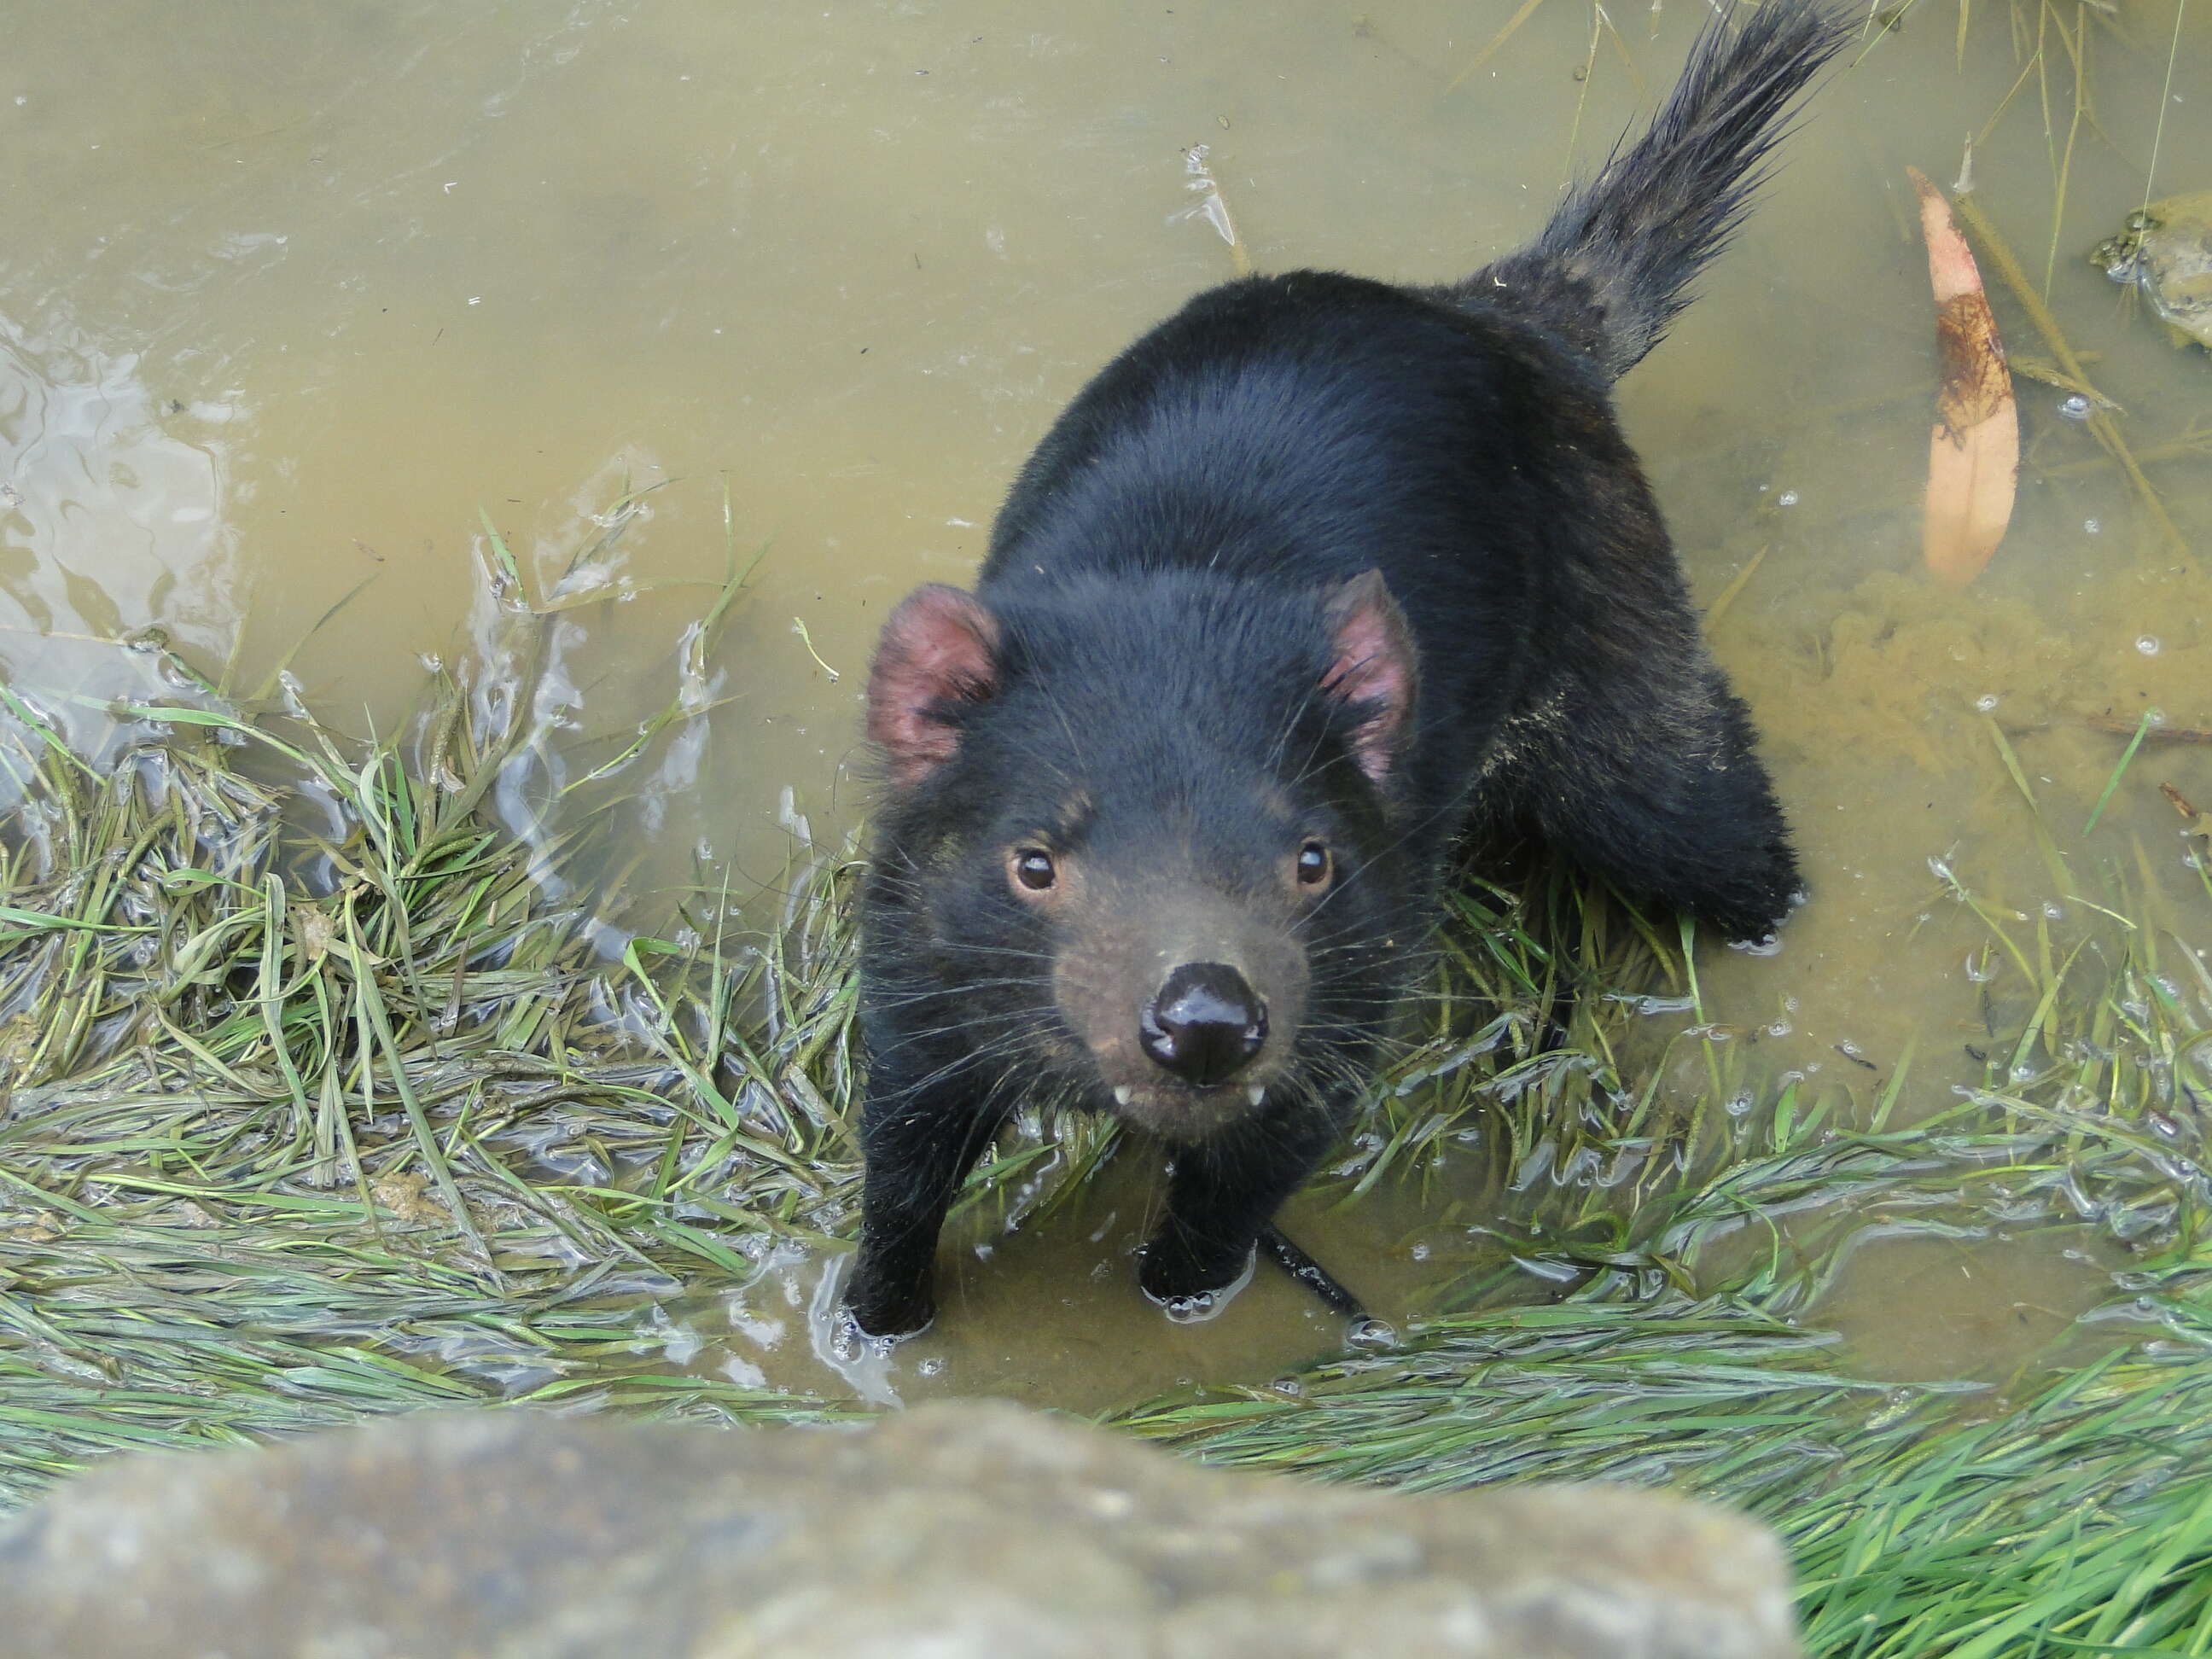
{"x":2150,"y":718}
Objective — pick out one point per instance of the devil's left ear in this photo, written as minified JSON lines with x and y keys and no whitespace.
{"x":1374,"y":668}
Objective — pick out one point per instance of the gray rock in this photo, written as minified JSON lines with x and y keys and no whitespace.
{"x":947,"y":1531}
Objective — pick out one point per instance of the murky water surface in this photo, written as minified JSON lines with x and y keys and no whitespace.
{"x":294,"y":299}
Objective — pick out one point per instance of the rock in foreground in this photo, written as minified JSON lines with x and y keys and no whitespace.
{"x":950,"y":1531}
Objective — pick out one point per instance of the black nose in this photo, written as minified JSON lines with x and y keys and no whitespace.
{"x":1206,"y":1022}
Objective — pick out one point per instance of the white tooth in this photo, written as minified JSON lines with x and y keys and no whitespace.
{"x":1122,"y":1094}
{"x":1253,"y":1093}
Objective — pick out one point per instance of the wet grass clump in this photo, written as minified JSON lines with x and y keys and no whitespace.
{"x":320,"y":1102}
{"x":328,"y":1094}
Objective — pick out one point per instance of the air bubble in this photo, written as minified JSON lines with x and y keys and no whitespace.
{"x":2147,"y":644}
{"x":2075,"y":408}
{"x":1787,"y":498}
{"x":1986,"y":701}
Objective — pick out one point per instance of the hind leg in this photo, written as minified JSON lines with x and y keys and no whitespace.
{"x":1662,"y":792}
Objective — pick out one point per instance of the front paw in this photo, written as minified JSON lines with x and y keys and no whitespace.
{"x":886,"y":1311}
{"x":1191,"y":1287}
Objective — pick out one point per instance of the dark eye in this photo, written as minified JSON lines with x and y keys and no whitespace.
{"x":1315,"y":865}
{"x":1033,"y":869}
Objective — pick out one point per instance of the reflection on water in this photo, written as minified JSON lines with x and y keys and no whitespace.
{"x":296,"y":300}
{"x":116,"y":514}
{"x":1928,"y":1309}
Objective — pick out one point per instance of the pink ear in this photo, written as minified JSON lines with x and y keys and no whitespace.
{"x":937,"y":648}
{"x":1375,"y":668}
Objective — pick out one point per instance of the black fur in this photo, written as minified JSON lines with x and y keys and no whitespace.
{"x":1152,"y":680}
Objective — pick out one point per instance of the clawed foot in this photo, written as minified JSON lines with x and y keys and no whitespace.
{"x":849,"y":1340}
{"x":1167,"y":1281}
{"x":883,"y":1312}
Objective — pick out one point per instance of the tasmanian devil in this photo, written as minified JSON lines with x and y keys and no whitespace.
{"x":1318,"y":573}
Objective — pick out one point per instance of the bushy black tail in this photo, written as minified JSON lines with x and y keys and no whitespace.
{"x":1613,"y":266}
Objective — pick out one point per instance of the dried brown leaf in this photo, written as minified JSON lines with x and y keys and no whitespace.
{"x":1973,"y":453}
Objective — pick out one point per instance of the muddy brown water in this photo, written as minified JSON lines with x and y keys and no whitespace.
{"x":291,"y":295}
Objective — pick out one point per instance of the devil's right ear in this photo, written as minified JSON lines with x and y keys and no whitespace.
{"x":1375,"y":668}
{"x":939,"y":647}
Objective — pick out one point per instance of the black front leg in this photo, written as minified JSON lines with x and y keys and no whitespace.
{"x":1223,"y":1191}
{"x":918,"y":1143}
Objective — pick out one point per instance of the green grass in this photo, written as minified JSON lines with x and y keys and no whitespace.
{"x":326,"y":1097}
